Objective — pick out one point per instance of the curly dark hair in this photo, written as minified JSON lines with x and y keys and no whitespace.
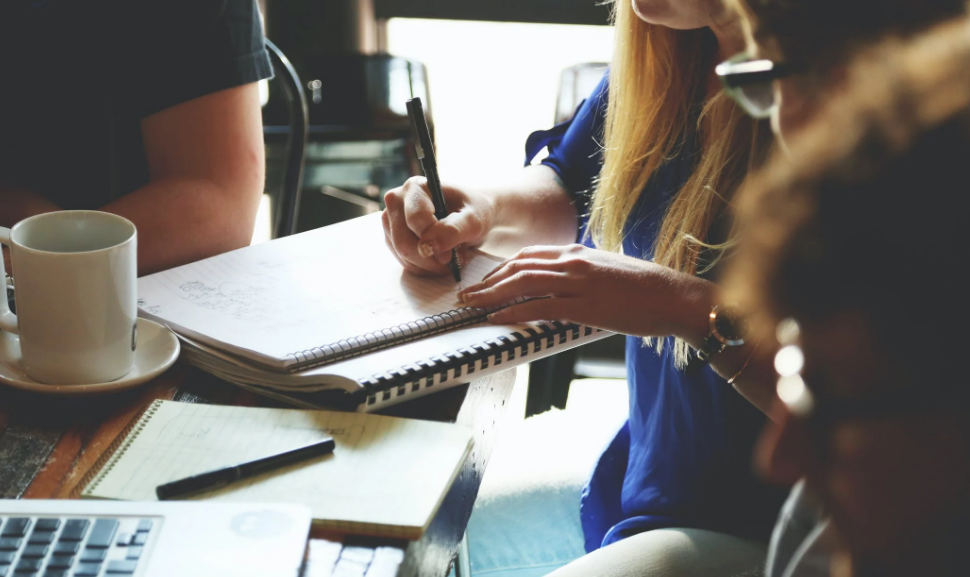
{"x":871,"y":211}
{"x":820,"y":34}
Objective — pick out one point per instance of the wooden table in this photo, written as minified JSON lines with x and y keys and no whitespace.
{"x":47,"y":444}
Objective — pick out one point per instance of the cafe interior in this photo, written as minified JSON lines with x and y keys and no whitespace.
{"x":515,"y":288}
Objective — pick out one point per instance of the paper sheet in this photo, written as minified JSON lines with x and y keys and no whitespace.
{"x":385,"y":476}
{"x":313,"y":289}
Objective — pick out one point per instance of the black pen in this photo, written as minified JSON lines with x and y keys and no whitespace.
{"x":220,"y":477}
{"x":425,"y":150}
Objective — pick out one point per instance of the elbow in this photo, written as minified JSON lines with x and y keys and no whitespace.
{"x":241,"y":199}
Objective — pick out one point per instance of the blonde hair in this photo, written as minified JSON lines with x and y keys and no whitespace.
{"x":657,"y":77}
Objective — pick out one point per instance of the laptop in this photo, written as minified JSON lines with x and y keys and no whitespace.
{"x":92,"y":538}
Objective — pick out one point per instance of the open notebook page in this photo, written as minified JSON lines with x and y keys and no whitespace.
{"x":271,"y":300}
{"x":387,"y":476}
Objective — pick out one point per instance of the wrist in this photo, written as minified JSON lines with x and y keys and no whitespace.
{"x":487,"y":204}
{"x":693,"y":312}
{"x":728,"y":330}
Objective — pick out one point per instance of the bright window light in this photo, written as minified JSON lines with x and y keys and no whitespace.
{"x":492,"y":84}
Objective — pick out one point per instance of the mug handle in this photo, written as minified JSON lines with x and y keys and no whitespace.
{"x":8,"y":320}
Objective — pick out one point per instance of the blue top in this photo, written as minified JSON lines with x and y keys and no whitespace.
{"x":683,"y":459}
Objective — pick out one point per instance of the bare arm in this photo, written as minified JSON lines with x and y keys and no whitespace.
{"x":619,"y":293}
{"x":530,"y":208}
{"x":18,"y":203}
{"x":751,"y":363}
{"x":206,"y":169}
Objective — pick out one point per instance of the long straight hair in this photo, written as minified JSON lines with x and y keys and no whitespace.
{"x":658,"y":77}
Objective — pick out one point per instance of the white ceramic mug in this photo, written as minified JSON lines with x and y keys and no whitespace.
{"x":75,"y":278}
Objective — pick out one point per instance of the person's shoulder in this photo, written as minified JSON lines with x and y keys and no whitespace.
{"x":179,"y":50}
{"x":187,"y":13}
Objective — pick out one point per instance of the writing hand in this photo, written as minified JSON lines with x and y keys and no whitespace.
{"x":597,"y":288}
{"x":420,"y":241}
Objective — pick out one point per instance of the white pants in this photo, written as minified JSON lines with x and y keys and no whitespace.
{"x":672,"y":553}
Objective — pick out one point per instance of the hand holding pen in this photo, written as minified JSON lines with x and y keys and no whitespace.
{"x":425,"y":152}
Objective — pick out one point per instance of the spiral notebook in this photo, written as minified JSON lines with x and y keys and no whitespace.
{"x":347,"y":491}
{"x":330,"y":317}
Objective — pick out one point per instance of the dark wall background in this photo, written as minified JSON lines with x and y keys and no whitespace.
{"x":339,"y":26}
{"x":551,"y":11}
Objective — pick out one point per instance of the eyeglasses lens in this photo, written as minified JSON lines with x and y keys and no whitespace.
{"x":758,"y":100}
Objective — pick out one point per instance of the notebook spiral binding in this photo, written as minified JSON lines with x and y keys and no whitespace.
{"x":115,"y":451}
{"x":424,"y":374}
{"x":382,"y":339}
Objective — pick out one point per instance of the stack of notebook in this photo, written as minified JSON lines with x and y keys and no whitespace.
{"x":328,"y":318}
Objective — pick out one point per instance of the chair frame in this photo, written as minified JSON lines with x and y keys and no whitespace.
{"x":288,"y":205}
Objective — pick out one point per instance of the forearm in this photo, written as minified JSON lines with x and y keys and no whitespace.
{"x":17,"y":203}
{"x":757,"y":381}
{"x":181,"y":220}
{"x":750,"y":364}
{"x":533,"y":209}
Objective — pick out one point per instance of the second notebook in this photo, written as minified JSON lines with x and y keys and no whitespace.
{"x":386,"y":477}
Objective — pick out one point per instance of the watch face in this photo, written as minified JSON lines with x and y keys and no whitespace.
{"x":729,"y":326}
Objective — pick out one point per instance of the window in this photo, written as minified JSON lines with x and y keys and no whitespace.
{"x":492,"y":84}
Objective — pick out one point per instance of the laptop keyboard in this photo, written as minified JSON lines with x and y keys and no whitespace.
{"x":71,"y":546}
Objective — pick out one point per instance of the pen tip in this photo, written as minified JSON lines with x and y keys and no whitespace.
{"x":455,"y":265}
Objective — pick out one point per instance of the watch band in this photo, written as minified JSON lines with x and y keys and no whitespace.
{"x":730,"y":323}
{"x":710,"y":347}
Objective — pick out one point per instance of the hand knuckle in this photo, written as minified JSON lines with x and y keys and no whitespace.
{"x":392,"y":196}
{"x":416,"y":182}
{"x":577,"y":265}
{"x":529,"y":276}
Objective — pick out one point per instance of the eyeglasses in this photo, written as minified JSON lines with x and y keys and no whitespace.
{"x":749,"y":82}
{"x":802,"y":403}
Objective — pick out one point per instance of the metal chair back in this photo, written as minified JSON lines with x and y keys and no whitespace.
{"x":288,"y":204}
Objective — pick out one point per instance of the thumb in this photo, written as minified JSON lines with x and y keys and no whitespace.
{"x":458,"y":228}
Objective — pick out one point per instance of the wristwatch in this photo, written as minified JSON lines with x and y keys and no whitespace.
{"x":728,"y":329}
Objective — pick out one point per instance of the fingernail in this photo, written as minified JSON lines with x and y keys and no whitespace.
{"x":443,"y":258}
{"x":492,"y":317}
{"x":425,"y":249}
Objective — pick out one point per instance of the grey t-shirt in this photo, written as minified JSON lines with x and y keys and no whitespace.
{"x":79,"y":75}
{"x":803,"y":542}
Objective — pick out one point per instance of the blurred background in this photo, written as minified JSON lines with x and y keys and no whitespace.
{"x":489,"y":73}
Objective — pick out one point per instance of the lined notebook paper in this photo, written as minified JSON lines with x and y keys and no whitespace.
{"x":386,"y":477}
{"x":291,"y":302}
{"x":328,"y":318}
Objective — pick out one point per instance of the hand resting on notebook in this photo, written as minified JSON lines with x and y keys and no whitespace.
{"x":598,"y":288}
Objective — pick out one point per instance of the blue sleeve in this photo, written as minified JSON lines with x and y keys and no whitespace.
{"x":575,"y":150}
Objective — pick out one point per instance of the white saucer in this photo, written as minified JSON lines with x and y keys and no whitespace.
{"x":156,"y":350}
